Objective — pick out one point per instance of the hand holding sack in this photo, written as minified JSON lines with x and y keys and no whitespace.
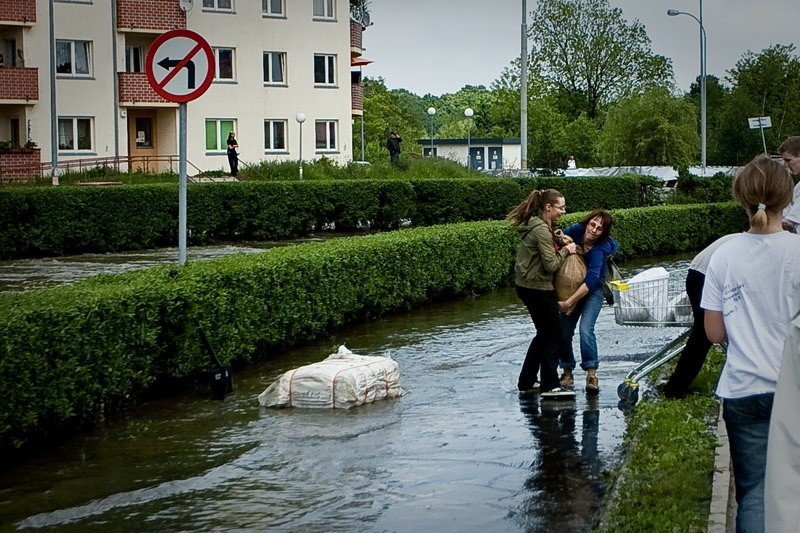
{"x":572,"y":272}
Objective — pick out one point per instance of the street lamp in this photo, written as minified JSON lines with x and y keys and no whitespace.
{"x":468,"y":112}
{"x":431,"y":112}
{"x":703,"y":48}
{"x":300,"y":118}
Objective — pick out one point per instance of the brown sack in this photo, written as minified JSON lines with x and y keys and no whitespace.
{"x":570,"y":275}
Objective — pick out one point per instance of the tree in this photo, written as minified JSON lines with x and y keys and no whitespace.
{"x":652,"y":128}
{"x":591,"y":55}
{"x":384,"y":111}
{"x":716,"y":99}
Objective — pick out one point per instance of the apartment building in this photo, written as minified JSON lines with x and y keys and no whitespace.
{"x":73,"y":83}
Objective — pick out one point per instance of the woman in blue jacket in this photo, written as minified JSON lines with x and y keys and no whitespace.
{"x":593,"y":235}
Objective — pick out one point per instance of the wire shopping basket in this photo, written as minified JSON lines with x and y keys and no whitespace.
{"x":657,"y":302}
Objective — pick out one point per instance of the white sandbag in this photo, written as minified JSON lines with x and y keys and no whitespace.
{"x":681,"y":310}
{"x":642,"y":300}
{"x":341,"y":381}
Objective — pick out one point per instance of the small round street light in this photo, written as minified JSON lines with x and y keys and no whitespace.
{"x":468,"y":112}
{"x":300,"y":118}
{"x":431,"y":112}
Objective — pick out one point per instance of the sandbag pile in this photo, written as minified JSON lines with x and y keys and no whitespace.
{"x":341,"y":381}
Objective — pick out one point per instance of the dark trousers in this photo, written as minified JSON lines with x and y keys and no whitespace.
{"x":233,"y":161}
{"x":542,"y":353}
{"x":394,"y":157}
{"x":694,"y":353}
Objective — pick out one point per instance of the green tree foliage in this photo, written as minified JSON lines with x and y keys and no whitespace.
{"x":592,"y":55}
{"x":764,"y":84}
{"x":384,"y":111}
{"x":716,"y":99}
{"x":652,"y":128}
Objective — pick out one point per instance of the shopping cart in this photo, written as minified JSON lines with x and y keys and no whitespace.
{"x":657,"y":302}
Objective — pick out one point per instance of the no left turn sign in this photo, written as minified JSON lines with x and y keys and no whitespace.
{"x":180,"y":65}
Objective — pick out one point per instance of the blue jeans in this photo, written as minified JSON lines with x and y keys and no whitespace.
{"x":747,"y":420}
{"x":587,"y":310}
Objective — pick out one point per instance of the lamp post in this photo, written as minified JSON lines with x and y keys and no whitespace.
{"x":300,"y":118}
{"x":431,"y":112}
{"x":703,"y":48}
{"x":523,"y":92}
{"x":468,"y":112}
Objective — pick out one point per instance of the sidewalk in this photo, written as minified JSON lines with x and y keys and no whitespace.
{"x":722,"y":512}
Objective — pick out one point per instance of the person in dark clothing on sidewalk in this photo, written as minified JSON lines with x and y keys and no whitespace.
{"x":233,"y":157}
{"x":393,"y":145}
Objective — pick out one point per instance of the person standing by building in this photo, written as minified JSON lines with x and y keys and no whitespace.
{"x":393,"y":145}
{"x":593,"y":234}
{"x":789,"y":151}
{"x":571,"y":164}
{"x":537,"y":260}
{"x":233,"y":156}
{"x":751,"y":293}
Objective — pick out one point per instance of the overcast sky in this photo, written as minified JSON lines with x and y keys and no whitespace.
{"x":438,"y":46}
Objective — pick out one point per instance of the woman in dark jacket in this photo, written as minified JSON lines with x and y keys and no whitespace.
{"x":593,"y":234}
{"x":537,"y":260}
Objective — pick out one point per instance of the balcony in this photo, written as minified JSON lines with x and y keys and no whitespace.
{"x":356,"y":38}
{"x":19,"y":85}
{"x":149,"y":15}
{"x":357,"y":97}
{"x":135,"y":89}
{"x":18,"y":12}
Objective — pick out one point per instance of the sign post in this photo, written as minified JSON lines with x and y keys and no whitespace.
{"x":180,"y":68}
{"x":760,"y":123}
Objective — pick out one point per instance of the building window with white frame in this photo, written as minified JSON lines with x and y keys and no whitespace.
{"x":275,"y":135}
{"x":218,"y":5}
{"x":217,"y":130}
{"x":326,"y":134}
{"x":272,"y":8}
{"x":224,"y":58}
{"x":134,"y":59}
{"x":275,"y":68}
{"x":74,"y":58}
{"x":75,"y":134}
{"x":324,"y":69}
{"x":325,"y":9}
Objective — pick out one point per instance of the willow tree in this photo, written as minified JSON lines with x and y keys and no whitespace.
{"x":591,"y":55}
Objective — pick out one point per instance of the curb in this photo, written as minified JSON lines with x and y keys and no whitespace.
{"x":722,"y":511}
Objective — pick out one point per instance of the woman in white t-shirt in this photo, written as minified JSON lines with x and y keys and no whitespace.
{"x":751,"y":293}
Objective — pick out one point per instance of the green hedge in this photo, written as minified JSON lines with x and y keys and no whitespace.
{"x":71,"y":353}
{"x":40,"y":221}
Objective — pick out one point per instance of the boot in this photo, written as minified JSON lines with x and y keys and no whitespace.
{"x":592,"y":383}
{"x":567,"y":382}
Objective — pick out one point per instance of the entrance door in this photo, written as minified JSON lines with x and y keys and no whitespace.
{"x":495,"y":157}
{"x":476,"y":158}
{"x":142,"y":140}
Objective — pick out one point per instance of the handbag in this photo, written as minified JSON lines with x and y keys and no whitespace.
{"x":612,"y":274}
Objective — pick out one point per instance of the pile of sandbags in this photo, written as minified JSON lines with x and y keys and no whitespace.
{"x":341,"y":381}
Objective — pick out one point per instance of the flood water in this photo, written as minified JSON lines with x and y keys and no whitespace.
{"x":459,"y":452}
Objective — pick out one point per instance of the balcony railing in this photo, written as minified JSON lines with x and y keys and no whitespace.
{"x":18,"y":84}
{"x":357,"y":96}
{"x":19,"y":11}
{"x":356,"y":38}
{"x":155,"y":15}
{"x":134,"y":89}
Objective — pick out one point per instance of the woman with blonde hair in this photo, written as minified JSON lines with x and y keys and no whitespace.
{"x":538,"y":258}
{"x":751,"y":293}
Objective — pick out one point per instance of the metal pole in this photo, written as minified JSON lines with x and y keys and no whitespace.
{"x":761,"y":127}
{"x":182,"y":184}
{"x":362,"y":135}
{"x":53,"y":111}
{"x":301,"y":150}
{"x":523,"y":91}
{"x":431,"y":154}
{"x":469,"y":143}
{"x":703,"y":101}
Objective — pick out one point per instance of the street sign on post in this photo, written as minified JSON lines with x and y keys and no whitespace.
{"x":180,"y":68}
{"x":759,"y":123}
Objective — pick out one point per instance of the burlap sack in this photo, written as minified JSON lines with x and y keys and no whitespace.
{"x":571,"y":273}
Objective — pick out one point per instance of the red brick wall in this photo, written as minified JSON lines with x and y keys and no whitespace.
{"x":357,"y":95}
{"x":19,"y":83}
{"x":17,"y":163}
{"x":18,"y":11}
{"x":150,"y":15}
{"x":356,"y":35}
{"x":134,"y":87}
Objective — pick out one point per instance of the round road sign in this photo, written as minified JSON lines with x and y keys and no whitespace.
{"x":180,"y":65}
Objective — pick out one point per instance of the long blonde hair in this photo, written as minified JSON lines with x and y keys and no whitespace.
{"x":763,"y":188}
{"x":533,"y":205}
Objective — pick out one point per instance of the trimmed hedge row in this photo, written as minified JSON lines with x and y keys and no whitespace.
{"x":72,"y":353}
{"x":67,"y":220}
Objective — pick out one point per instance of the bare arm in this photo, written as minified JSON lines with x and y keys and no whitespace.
{"x":715,"y":327}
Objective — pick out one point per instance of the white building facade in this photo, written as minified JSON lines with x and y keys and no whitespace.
{"x":73,"y":82}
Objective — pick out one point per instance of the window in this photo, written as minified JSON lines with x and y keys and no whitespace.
{"x":74,"y":58}
{"x":323,"y":9}
{"x":218,"y":5}
{"x":275,"y":68}
{"x":272,"y":8}
{"x":324,"y":69}
{"x":133,"y":59}
{"x":274,"y":135}
{"x":224,"y":60}
{"x":144,"y":132}
{"x":326,"y":134}
{"x":217,"y":131}
{"x":74,"y":133}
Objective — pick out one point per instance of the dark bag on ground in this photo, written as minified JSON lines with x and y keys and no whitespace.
{"x":612,"y":273}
